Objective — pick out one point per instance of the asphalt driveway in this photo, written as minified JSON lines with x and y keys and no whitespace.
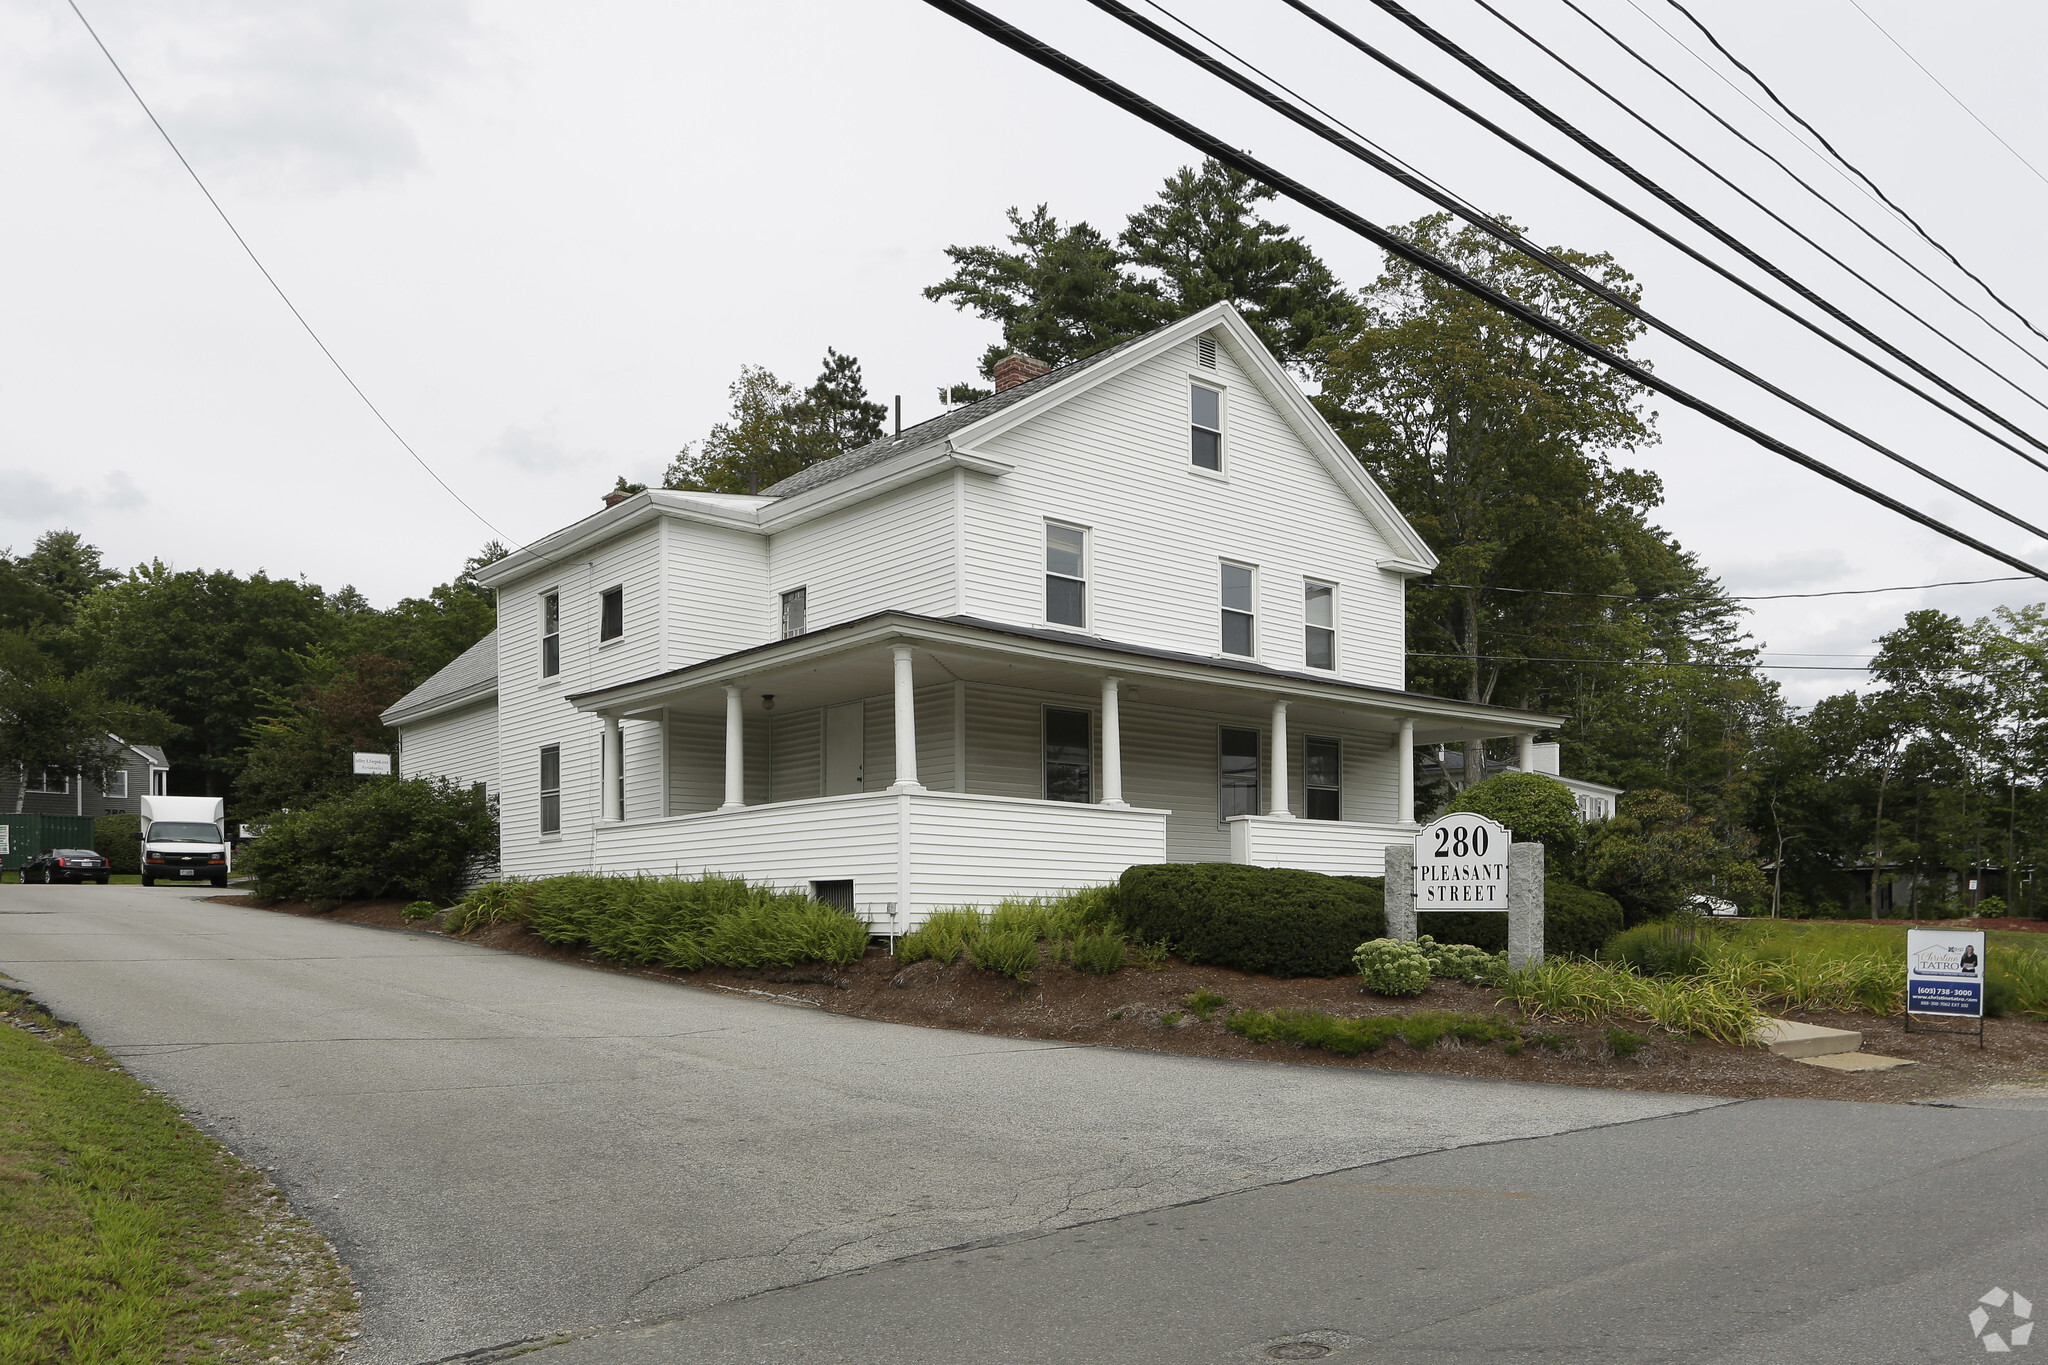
{"x":504,"y":1148}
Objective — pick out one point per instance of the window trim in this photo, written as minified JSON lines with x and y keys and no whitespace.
{"x":547,"y":637}
{"x":1253,"y":614}
{"x":1258,"y":769}
{"x":1336,"y":742}
{"x":1045,"y":711}
{"x":1208,"y":380}
{"x":106,"y":784}
{"x":802,"y":593}
{"x":1087,"y":577}
{"x":546,"y":830}
{"x":617,"y":590}
{"x":1306,"y":626}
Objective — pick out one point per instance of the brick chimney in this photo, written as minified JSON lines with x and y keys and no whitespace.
{"x":615,"y":498}
{"x":1013,"y":370}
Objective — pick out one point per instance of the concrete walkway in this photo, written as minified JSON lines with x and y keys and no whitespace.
{"x":503,"y":1147}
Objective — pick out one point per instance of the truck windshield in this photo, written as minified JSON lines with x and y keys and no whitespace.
{"x":183,"y":832}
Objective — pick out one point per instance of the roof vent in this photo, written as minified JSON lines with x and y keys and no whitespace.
{"x":1205,"y":351}
{"x":1014,"y":369}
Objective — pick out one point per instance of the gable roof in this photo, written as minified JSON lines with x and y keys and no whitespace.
{"x":472,"y":676}
{"x":937,"y":428}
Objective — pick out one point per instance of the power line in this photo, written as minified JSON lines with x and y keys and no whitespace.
{"x":1737,"y":597}
{"x":1644,"y":663}
{"x":1496,"y":229}
{"x":1693,"y":253}
{"x":1851,"y":166}
{"x":1214,"y":147}
{"x":1799,"y":180}
{"x":1946,"y":91}
{"x":271,"y":280}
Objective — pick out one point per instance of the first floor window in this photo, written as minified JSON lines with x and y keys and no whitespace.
{"x":115,"y":785}
{"x":1323,"y":771}
{"x":1319,"y":615}
{"x":1066,"y":585}
{"x":551,"y":789}
{"x":1237,"y":771}
{"x":49,"y":783}
{"x":794,"y":603}
{"x":611,"y":618}
{"x":1069,"y":772}
{"x":550,"y":634}
{"x":1237,"y":609}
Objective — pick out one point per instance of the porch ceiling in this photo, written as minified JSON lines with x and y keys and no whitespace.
{"x":855,"y":660}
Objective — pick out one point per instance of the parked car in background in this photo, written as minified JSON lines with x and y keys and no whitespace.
{"x":66,"y":865}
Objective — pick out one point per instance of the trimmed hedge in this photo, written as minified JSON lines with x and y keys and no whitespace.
{"x":389,"y":837}
{"x":1576,"y":923}
{"x":1279,"y":921}
{"x":118,"y":839}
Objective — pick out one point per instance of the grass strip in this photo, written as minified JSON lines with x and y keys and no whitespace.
{"x":128,"y":1236}
{"x":1348,"y":1037}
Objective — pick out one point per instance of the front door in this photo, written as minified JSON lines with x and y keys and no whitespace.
{"x":846,"y":742}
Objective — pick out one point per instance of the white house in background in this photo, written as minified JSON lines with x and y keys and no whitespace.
{"x":1142,"y":608}
{"x":1595,"y":800}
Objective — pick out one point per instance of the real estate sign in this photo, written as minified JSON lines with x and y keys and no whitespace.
{"x":373,"y":765}
{"x":1461,"y":863}
{"x":1945,"y":972}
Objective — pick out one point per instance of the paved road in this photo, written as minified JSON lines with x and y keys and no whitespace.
{"x":503,"y":1148}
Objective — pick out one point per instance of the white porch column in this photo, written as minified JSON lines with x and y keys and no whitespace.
{"x":1279,"y":803}
{"x":611,"y":770}
{"x":906,"y":722}
{"x":1525,"y":753}
{"x":735,"y":750}
{"x":1112,"y":748}
{"x":1404,"y":774}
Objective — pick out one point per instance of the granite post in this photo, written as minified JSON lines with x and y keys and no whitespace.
{"x":1401,"y":891}
{"x":1525,"y":905}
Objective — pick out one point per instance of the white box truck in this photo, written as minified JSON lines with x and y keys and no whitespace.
{"x":184,"y":839}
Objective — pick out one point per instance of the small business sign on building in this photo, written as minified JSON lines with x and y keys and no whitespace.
{"x":5,"y":830}
{"x":373,"y":765}
{"x":1945,"y":975}
{"x":1461,"y":863}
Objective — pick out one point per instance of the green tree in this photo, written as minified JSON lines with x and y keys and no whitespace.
{"x":65,"y":566}
{"x":59,"y":723}
{"x":1657,"y":852}
{"x":774,"y":431}
{"x":1534,"y":807}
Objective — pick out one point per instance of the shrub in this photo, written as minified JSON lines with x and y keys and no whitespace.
{"x":1657,"y":852}
{"x":1349,"y":1037}
{"x":1991,"y":907}
{"x":1460,"y":961}
{"x":118,"y":839}
{"x":486,"y":905}
{"x":1204,"y":1004}
{"x":1576,"y":922}
{"x":1280,"y":921}
{"x":1006,"y":952}
{"x":423,"y":840}
{"x":1390,"y":967}
{"x":1622,"y":1043}
{"x":1100,"y":952}
{"x":419,"y":910}
{"x":943,"y":936}
{"x":1538,"y":809}
{"x":687,"y":922}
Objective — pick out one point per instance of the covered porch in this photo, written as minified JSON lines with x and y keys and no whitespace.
{"x":900,"y":764}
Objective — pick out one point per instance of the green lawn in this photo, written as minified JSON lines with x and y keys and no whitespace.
{"x":127,"y":1236}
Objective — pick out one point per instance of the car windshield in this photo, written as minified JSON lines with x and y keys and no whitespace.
{"x":73,"y":853}
{"x":183,"y":831}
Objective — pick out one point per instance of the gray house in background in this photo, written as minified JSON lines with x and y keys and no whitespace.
{"x":135,"y":771}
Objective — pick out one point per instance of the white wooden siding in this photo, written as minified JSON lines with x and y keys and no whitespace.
{"x":1340,"y":848}
{"x":892,"y":553}
{"x":461,"y":746}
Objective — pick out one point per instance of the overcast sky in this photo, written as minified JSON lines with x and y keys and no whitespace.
{"x":544,"y":238}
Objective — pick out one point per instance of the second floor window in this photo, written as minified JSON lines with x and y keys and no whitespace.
{"x":550,"y":634}
{"x":1205,"y":427}
{"x":551,"y":789}
{"x":1319,"y":617}
{"x":1238,"y":620}
{"x":1066,"y":584}
{"x":611,"y":619}
{"x":793,"y":605}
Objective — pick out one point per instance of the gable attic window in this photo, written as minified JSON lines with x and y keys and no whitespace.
{"x":794,"y":604}
{"x":1238,"y":620}
{"x":611,"y":619}
{"x":1205,"y":427}
{"x":1319,"y":628}
{"x":1066,"y":577}
{"x":550,"y":634}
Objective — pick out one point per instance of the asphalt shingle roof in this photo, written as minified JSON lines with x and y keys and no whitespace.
{"x":936,"y":429}
{"x":473,"y":668}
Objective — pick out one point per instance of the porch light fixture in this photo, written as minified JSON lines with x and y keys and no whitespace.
{"x":767,"y":701}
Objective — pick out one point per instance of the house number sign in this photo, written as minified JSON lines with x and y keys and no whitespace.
{"x":1461,"y":863}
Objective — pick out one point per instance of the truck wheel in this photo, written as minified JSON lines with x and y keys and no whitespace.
{"x":148,"y":880}
{"x":221,"y":880}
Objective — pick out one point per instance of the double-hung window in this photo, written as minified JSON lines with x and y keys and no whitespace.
{"x":550,"y":634}
{"x":1069,"y":750}
{"x":794,"y":605}
{"x":1319,"y":628}
{"x":1323,"y":771}
{"x":114,"y":786}
{"x":1237,"y":771}
{"x":1238,"y":618}
{"x":611,"y":616}
{"x":1066,"y":575}
{"x":1205,"y":427}
{"x":49,"y":783}
{"x":551,"y":789}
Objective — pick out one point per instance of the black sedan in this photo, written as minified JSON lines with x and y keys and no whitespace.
{"x":66,"y":865}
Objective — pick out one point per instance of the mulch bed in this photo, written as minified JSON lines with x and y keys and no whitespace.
{"x":1125,"y":1010}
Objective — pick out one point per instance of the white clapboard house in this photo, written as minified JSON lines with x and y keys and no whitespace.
{"x":1139,"y":609}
